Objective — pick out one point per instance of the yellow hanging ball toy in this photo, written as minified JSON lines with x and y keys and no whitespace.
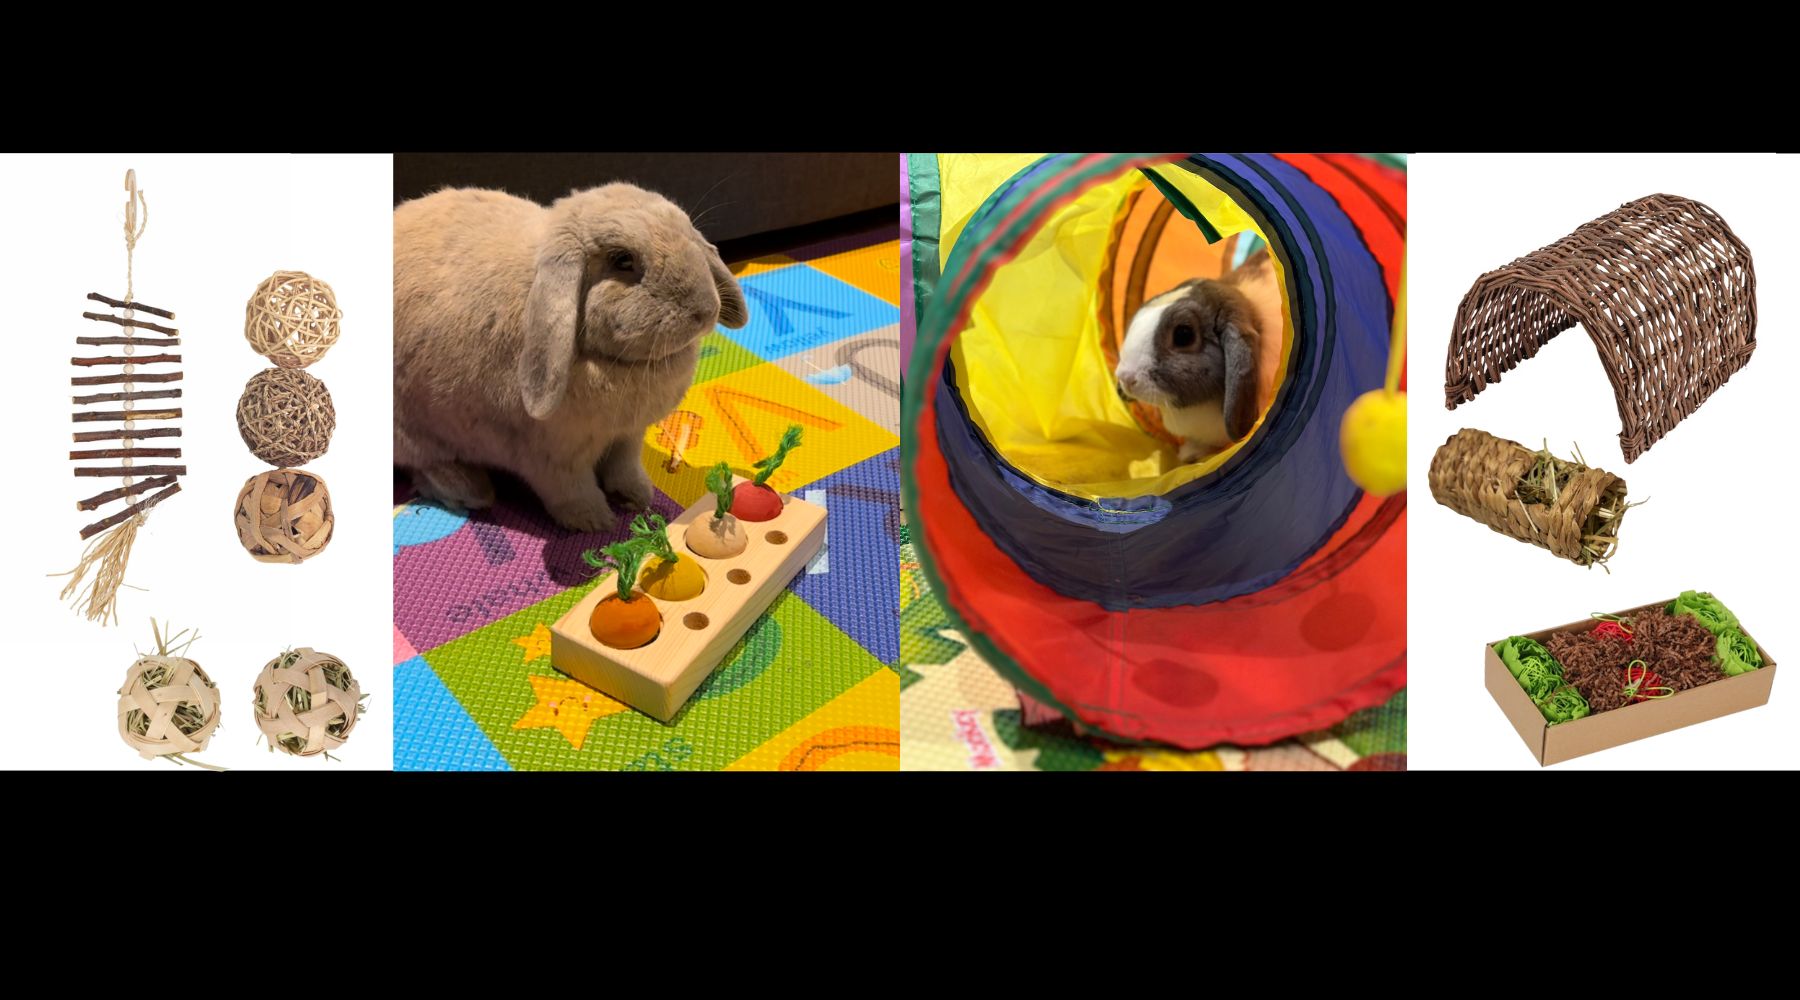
{"x":1372,"y":437}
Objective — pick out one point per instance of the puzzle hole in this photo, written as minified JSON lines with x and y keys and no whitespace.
{"x":776,"y":537}
{"x":738,"y":576}
{"x":694,"y":620}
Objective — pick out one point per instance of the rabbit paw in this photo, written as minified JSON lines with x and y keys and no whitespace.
{"x":1191,"y":452}
{"x":458,"y":486}
{"x":622,"y":476}
{"x":591,"y":515}
{"x":631,"y":491}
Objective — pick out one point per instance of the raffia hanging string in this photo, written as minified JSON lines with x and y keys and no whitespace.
{"x":94,"y":583}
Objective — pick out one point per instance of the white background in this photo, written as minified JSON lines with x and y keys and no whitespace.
{"x":218,"y":225}
{"x":1469,"y":214}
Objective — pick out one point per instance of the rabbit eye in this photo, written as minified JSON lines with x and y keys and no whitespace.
{"x":622,"y":260}
{"x":1184,"y":337}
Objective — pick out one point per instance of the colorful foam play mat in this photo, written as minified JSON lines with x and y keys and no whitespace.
{"x":813,"y":685}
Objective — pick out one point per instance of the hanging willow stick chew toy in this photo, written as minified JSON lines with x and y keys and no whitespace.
{"x":1553,"y":503}
{"x":111,"y":537}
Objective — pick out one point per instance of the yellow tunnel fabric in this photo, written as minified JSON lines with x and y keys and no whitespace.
{"x":1030,"y":366}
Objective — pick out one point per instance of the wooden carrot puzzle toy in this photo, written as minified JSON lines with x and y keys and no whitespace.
{"x":655,"y":627}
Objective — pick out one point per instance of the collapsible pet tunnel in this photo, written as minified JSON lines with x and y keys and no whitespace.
{"x":1242,"y":599}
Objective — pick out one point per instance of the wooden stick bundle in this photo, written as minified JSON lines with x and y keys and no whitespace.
{"x":126,"y":453}
{"x":142,"y":359}
{"x":118,"y":397}
{"x":134,"y":489}
{"x":103,"y":472}
{"x":136,"y":508}
{"x":90,"y":416}
{"x":132,"y":323}
{"x":127,"y":435}
{"x":134,"y":306}
{"x":103,"y":341}
{"x":117,"y":379}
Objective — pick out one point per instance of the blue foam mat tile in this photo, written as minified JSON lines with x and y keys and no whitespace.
{"x":797,"y":308}
{"x":859,"y":591}
{"x":432,"y":732}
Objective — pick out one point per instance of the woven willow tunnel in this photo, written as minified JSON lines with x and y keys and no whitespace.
{"x":1662,"y":285}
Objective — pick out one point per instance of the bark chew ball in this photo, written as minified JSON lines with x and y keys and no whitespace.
{"x":286,"y":416}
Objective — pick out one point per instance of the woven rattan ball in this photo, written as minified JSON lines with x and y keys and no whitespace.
{"x":285,"y":416}
{"x":292,"y":319}
{"x":167,"y":706}
{"x":284,"y":516}
{"x":306,"y":702}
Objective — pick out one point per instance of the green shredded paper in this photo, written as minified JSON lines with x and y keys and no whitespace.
{"x":1737,"y":654}
{"x":1704,"y":606}
{"x":1541,"y":677}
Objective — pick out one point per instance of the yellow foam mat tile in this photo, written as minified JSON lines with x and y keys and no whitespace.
{"x":740,"y":417}
{"x":874,"y":269}
{"x":858,"y":730}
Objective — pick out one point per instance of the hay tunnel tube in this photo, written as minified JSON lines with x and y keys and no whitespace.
{"x":1242,"y":599}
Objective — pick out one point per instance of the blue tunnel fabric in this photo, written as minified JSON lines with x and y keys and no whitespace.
{"x":1259,"y":516}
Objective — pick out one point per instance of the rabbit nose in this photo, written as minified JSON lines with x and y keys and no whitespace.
{"x":1127,"y":384}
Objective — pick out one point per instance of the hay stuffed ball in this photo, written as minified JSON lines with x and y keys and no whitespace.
{"x":168,"y":706}
{"x":286,"y":416}
{"x":306,"y":702}
{"x":292,"y":319}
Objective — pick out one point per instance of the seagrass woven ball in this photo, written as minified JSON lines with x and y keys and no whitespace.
{"x":167,"y":706}
{"x":284,"y":516}
{"x":306,"y":702}
{"x":292,"y":319}
{"x":286,"y":416}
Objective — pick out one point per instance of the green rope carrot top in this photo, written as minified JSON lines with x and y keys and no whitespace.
{"x":627,"y":557}
{"x":789,"y":441}
{"x":718,"y":483}
{"x":653,"y":531}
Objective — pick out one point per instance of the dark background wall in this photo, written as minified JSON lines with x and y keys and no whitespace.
{"x":740,"y":194}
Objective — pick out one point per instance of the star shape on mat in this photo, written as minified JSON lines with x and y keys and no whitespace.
{"x":569,"y":707}
{"x":536,"y":645}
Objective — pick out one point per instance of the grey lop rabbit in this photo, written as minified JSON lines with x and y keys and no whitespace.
{"x":543,"y":341}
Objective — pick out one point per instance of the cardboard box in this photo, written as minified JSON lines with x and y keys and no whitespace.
{"x":1554,"y":744}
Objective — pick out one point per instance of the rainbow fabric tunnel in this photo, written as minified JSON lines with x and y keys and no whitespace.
{"x":1243,"y":598}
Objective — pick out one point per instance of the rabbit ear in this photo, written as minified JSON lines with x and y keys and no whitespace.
{"x":733,"y":312}
{"x":552,"y":313}
{"x":1239,"y":341}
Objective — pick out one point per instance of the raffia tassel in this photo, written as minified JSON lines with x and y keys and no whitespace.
{"x":106,"y":555}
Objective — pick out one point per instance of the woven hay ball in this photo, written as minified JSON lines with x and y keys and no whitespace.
{"x":292,"y":319}
{"x":284,"y":516}
{"x":306,"y":702}
{"x":167,"y":706}
{"x":285,"y":416}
